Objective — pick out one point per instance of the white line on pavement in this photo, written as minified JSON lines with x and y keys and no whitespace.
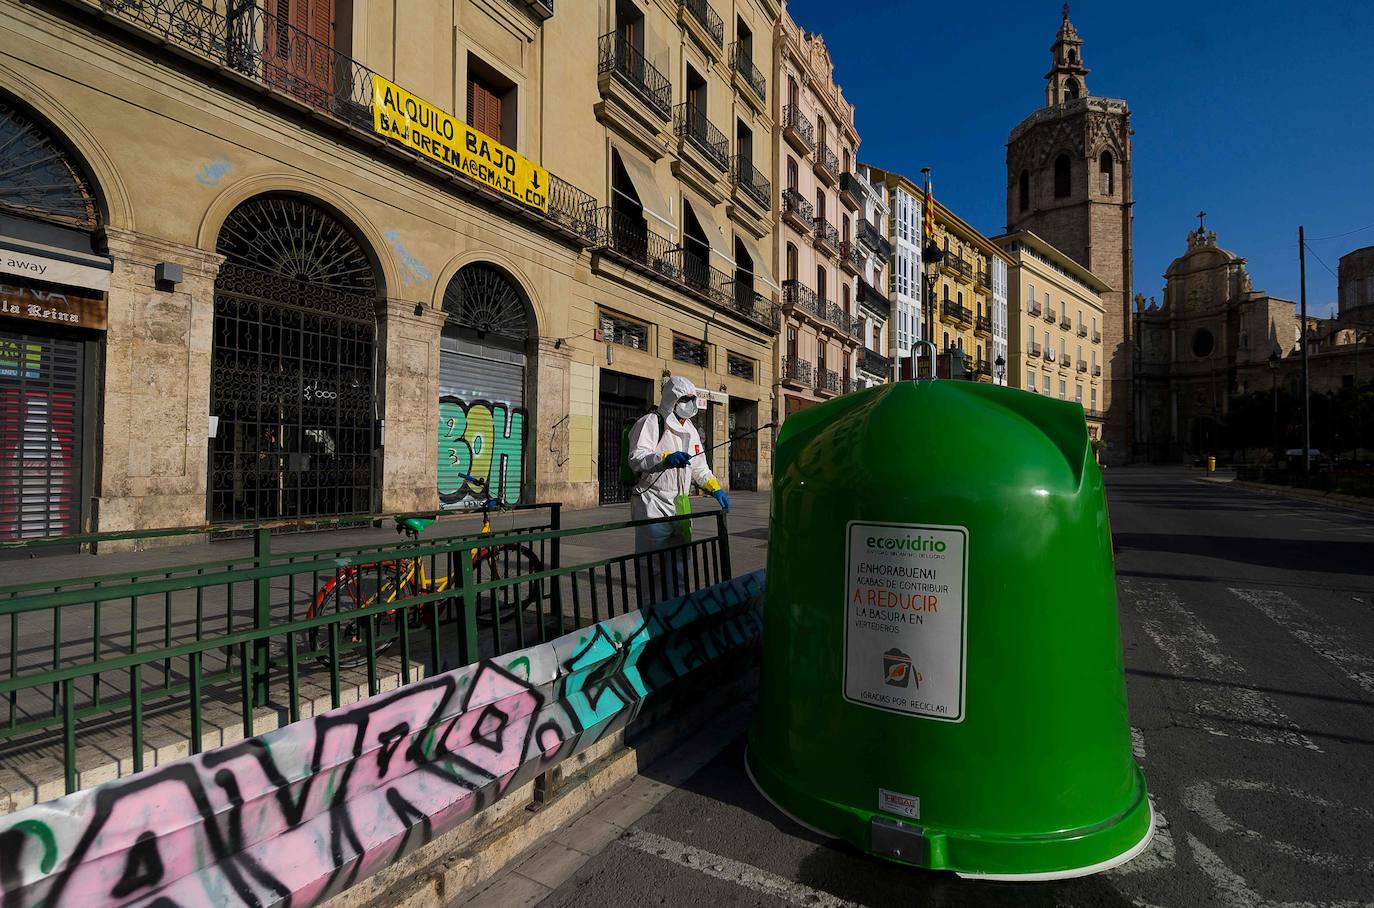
{"x":1299,"y":621}
{"x":1138,"y":744}
{"x":722,"y":868}
{"x":1190,"y":649}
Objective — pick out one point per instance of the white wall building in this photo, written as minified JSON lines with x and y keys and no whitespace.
{"x":905,"y":236}
{"x":999,"y":320}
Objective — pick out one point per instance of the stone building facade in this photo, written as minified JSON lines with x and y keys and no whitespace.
{"x":280,"y":288}
{"x":1055,"y":325}
{"x":1069,"y":180}
{"x":1355,"y":287}
{"x":817,"y":257}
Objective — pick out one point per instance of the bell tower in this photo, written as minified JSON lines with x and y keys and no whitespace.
{"x":1067,"y":78}
{"x":1069,"y":181}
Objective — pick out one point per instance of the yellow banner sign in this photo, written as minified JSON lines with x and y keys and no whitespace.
{"x":417,"y":124}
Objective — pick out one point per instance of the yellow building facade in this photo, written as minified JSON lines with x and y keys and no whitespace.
{"x":962,"y":301}
{"x":1055,"y":325}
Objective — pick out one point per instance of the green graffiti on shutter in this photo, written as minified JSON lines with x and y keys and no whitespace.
{"x":484,"y":440}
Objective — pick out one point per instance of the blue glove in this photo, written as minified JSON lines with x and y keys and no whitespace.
{"x":721,"y":499}
{"x":678,"y":459}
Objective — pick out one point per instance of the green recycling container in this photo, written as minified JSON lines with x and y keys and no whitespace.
{"x":942,"y":676}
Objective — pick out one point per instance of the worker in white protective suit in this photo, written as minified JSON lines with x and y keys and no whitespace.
{"x":667,"y":458}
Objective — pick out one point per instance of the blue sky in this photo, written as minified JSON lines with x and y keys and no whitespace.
{"x":1261,"y":113}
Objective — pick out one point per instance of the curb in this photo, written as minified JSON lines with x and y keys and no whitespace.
{"x":466,"y":857}
{"x":1336,"y":498}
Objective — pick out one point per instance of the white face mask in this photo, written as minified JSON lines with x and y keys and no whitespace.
{"x":685,"y":408}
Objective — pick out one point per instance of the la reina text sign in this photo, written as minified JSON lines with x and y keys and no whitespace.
{"x":42,"y":302}
{"x":417,"y":124}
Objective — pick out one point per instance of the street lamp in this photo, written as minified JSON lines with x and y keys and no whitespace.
{"x":1000,"y":365}
{"x":1274,"y":371}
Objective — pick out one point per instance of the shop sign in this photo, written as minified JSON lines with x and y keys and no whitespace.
{"x":16,"y":263}
{"x":37,"y":301}
{"x":415,"y":123}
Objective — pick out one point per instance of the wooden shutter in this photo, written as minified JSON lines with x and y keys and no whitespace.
{"x":484,"y":108}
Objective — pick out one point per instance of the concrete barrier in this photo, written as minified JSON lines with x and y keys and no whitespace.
{"x":302,"y":813}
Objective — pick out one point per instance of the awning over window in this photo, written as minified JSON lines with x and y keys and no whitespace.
{"x":650,"y":197}
{"x":720,"y":242}
{"x":762,"y":272}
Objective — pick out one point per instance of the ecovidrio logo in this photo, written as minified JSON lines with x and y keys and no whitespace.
{"x":906,"y":543}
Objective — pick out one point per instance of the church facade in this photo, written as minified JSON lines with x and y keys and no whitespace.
{"x":1069,"y":182}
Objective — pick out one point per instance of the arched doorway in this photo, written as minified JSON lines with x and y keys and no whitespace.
{"x":291,"y":382}
{"x":52,"y":318}
{"x":483,"y":418}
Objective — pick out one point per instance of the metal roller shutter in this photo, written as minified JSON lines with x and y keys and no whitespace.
{"x":40,"y":436}
{"x":482,"y":422}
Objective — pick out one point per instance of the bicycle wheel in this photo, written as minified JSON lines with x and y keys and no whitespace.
{"x":502,"y":562}
{"x":352,"y":591}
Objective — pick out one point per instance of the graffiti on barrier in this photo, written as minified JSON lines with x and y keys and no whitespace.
{"x":302,"y":813}
{"x":480,"y":439}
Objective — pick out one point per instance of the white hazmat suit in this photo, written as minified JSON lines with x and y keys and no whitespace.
{"x":654,"y":437}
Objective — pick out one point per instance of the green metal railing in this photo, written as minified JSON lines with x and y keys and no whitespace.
{"x":103,"y":651}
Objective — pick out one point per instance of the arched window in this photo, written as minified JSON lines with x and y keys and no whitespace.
{"x":1023,"y":190}
{"x":946,"y":347}
{"x":791,"y":262}
{"x":844,"y":298}
{"x":38,"y":177}
{"x":820,"y":282}
{"x":1071,"y":88}
{"x":791,"y":173}
{"x":1063,"y":183}
{"x":1106,"y":173}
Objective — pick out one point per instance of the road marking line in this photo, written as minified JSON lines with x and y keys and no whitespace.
{"x":731,"y":871}
{"x":1190,"y":649}
{"x":1138,"y":744}
{"x":1287,"y":613}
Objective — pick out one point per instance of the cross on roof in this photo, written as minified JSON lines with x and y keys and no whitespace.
{"x":1200,"y":216}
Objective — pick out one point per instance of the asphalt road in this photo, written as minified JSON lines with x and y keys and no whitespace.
{"x":1248,"y":626}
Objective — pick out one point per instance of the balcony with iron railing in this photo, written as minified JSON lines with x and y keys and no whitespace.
{"x":1065,"y":363}
{"x":853,"y":191}
{"x":984,"y":280}
{"x":694,"y":129}
{"x":960,"y":267}
{"x":251,"y":42}
{"x":873,"y":238}
{"x":983,"y":325}
{"x":627,"y":64}
{"x":1083,"y":366}
{"x":800,"y":298}
{"x":700,"y":15}
{"x":1097,"y":371}
{"x":797,"y":211}
{"x":627,"y":237}
{"x":797,"y":129}
{"x":1049,"y":316}
{"x":874,"y":363}
{"x":797,"y":372}
{"x":742,"y":62}
{"x":1065,"y":323}
{"x":1097,"y":337}
{"x":825,"y":238}
{"x":1033,"y":308}
{"x":983,"y":368}
{"x":1033,"y":350}
{"x":827,"y":382}
{"x":750,"y":181}
{"x":1082,"y":330}
{"x":961,"y":314}
{"x":852,"y":258}
{"x":827,"y":165}
{"x":874,"y":300}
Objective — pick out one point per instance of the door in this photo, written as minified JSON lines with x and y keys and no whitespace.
{"x":744,"y":447}
{"x":482,"y":423}
{"x":298,"y":52}
{"x":624,"y":398}
{"x":40,"y":436}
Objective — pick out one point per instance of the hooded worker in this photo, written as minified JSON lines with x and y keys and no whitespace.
{"x":667,"y":458}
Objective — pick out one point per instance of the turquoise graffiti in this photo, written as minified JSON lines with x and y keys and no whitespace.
{"x":484,"y":440}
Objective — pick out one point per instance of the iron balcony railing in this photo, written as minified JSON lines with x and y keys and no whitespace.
{"x":984,"y":280}
{"x":954,"y":263}
{"x":1033,"y":308}
{"x":958,"y":313}
{"x":1082,"y":330}
{"x":1049,"y":355}
{"x":1049,"y":316}
{"x":252,"y":42}
{"x":1097,"y":371}
{"x":750,"y":180}
{"x":874,"y":299}
{"x":707,"y":18}
{"x":1033,"y":350}
{"x":693,"y":126}
{"x":875,"y":363}
{"x":983,"y":324}
{"x":797,"y":371}
{"x":1066,"y":363}
{"x":827,"y":381}
{"x":799,"y":296}
{"x":1065,"y":323}
{"x":827,"y":163}
{"x":983,"y":367}
{"x":1097,"y":337}
{"x":853,"y":188}
{"x":795,"y":125}
{"x":873,"y":238}
{"x":623,"y":60}
{"x":826,"y":234}
{"x":742,"y":59}
{"x":754,"y":305}
{"x":796,"y":205}
{"x":836,"y":316}
{"x":851,"y":255}
{"x":1082,"y":366}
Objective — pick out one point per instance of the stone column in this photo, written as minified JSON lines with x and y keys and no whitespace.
{"x":155,"y":394}
{"x":552,"y":434}
{"x":408,"y":369}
